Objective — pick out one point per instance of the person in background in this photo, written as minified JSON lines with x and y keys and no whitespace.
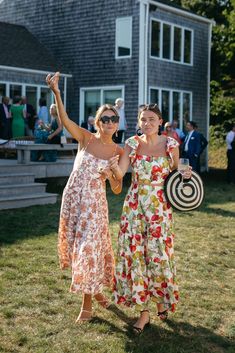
{"x":192,"y":145}
{"x":89,"y":124}
{"x":120,"y":135}
{"x":43,"y":114}
{"x":230,"y":141}
{"x":170,"y":132}
{"x":18,"y":115}
{"x":203,"y":145}
{"x":180,"y":133}
{"x":5,"y":119}
{"x":30,"y":117}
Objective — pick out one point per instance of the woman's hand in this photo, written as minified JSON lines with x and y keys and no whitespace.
{"x":113,"y":162}
{"x":105,"y":173}
{"x":53,"y":82}
{"x":187,"y":173}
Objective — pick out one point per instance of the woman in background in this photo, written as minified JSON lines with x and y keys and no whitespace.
{"x":18,"y":115}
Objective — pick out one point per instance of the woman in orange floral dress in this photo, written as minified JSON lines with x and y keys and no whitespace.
{"x":145,"y":266}
{"x":84,"y":239}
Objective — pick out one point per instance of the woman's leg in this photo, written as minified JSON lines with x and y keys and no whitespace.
{"x":142,"y":321}
{"x":102,"y":300}
{"x":162,"y":311}
{"x":86,"y":309}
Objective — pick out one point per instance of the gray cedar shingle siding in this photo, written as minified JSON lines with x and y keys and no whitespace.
{"x":81,"y":34}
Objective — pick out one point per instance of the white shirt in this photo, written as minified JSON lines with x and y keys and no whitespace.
{"x":229,"y":138}
{"x":122,"y":119}
{"x":188,"y":137}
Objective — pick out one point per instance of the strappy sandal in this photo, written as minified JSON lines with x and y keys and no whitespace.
{"x":105,"y":303}
{"x":163,"y":315}
{"x":85,"y":319}
{"x":138,"y":330}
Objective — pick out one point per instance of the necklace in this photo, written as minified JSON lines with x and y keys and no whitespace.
{"x":106,"y":143}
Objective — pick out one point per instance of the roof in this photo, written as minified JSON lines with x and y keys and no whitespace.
{"x":19,"y":48}
{"x":178,"y":8}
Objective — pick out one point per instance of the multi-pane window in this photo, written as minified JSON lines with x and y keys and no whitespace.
{"x":174,"y":104}
{"x":92,"y":99}
{"x":123,"y":37}
{"x":32,"y":92}
{"x":171,"y":42}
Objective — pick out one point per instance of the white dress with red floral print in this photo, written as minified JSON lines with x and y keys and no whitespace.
{"x":145,"y":266}
{"x":84,"y":239}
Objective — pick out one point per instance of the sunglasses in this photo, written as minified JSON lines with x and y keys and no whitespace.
{"x":106,"y":119}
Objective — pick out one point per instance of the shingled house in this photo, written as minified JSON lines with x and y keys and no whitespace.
{"x":141,"y":50}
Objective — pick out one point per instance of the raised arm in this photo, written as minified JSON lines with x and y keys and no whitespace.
{"x":76,"y":131}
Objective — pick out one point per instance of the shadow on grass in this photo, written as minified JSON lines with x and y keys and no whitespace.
{"x":178,"y":337}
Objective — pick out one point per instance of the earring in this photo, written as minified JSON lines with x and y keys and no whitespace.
{"x":116,"y":133}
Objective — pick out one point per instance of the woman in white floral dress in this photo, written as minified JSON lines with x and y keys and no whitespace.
{"x":145,"y":268}
{"x":84,"y":239}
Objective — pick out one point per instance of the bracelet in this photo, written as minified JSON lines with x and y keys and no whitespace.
{"x":116,"y":187}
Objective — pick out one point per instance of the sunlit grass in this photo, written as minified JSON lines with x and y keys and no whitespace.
{"x":38,"y":313}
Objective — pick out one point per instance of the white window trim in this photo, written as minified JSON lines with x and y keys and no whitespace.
{"x":171,"y":90}
{"x":116,"y":47}
{"x":102,"y":89}
{"x":173,"y":25}
{"x":23,"y":90}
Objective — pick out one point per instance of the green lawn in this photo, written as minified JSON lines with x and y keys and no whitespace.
{"x":38,"y":313}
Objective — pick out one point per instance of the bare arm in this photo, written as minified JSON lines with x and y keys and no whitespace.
{"x":57,"y":131}
{"x":120,"y":169}
{"x":76,"y":131}
{"x":174,"y":159}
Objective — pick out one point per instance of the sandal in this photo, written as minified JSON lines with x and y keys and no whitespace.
{"x":104,"y":302}
{"x":85,"y":319}
{"x":163,"y":315}
{"x":138,"y":330}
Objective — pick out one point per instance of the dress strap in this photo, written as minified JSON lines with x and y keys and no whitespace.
{"x":91,"y":137}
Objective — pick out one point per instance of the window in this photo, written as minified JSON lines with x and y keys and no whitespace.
{"x":2,"y":91}
{"x":32,"y":92}
{"x":123,"y":37}
{"x":174,"y":104}
{"x":166,"y":41}
{"x":93,"y":98}
{"x":15,"y":90}
{"x":170,"y":42}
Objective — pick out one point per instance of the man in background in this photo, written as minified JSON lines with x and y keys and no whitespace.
{"x":89,"y":124}
{"x":119,"y":106}
{"x":192,"y":146}
{"x":5,"y":119}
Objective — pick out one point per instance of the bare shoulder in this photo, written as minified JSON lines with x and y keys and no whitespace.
{"x":87,"y":137}
{"x":120,"y":150}
{"x":163,"y":139}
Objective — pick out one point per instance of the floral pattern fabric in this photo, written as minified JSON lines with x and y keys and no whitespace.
{"x":84,"y":239}
{"x":145,"y":267}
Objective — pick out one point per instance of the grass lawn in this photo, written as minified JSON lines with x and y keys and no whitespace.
{"x":38,"y":313}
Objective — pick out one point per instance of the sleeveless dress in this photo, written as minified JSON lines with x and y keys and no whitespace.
{"x":145,"y":265}
{"x":18,"y":122}
{"x":84,"y":239}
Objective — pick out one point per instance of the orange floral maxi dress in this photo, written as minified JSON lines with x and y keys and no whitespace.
{"x":84,"y":239}
{"x":145,"y":266}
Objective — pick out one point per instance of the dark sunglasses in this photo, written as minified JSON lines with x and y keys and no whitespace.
{"x":106,"y":119}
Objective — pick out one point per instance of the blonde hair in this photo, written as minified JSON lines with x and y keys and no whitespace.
{"x":53,"y":106}
{"x":101,"y":110}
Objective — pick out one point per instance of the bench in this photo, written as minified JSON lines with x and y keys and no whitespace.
{"x":24,"y":150}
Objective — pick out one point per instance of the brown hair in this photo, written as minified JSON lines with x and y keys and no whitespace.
{"x":101,"y":110}
{"x":151,"y":107}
